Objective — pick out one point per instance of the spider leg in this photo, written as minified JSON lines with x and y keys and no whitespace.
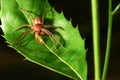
{"x":52,"y":37}
{"x":23,"y":26}
{"x":51,"y":26}
{"x":53,"y":42}
{"x":27,"y":12}
{"x":44,"y":13}
{"x":21,"y":37}
{"x":38,"y":38}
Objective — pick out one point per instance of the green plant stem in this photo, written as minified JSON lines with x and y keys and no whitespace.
{"x":116,"y":9}
{"x":96,"y":45}
{"x":110,"y":17}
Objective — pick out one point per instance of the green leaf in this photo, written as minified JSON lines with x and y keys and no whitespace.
{"x":70,"y":61}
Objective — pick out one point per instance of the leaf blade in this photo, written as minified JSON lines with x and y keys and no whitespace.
{"x":67,"y":60}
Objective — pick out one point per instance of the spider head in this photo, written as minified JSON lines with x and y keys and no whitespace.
{"x":37,"y":20}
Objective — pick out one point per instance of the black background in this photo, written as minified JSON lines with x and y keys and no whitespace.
{"x":14,"y":67}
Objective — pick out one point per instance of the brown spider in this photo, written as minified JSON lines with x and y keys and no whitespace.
{"x":39,"y":29}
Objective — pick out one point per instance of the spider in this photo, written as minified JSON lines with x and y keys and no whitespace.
{"x":39,"y":29}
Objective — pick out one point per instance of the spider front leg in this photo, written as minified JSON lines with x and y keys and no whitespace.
{"x":27,"y":12}
{"x":23,"y":26}
{"x":44,"y":13}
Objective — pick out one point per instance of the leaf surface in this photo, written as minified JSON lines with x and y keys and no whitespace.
{"x":70,"y":61}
